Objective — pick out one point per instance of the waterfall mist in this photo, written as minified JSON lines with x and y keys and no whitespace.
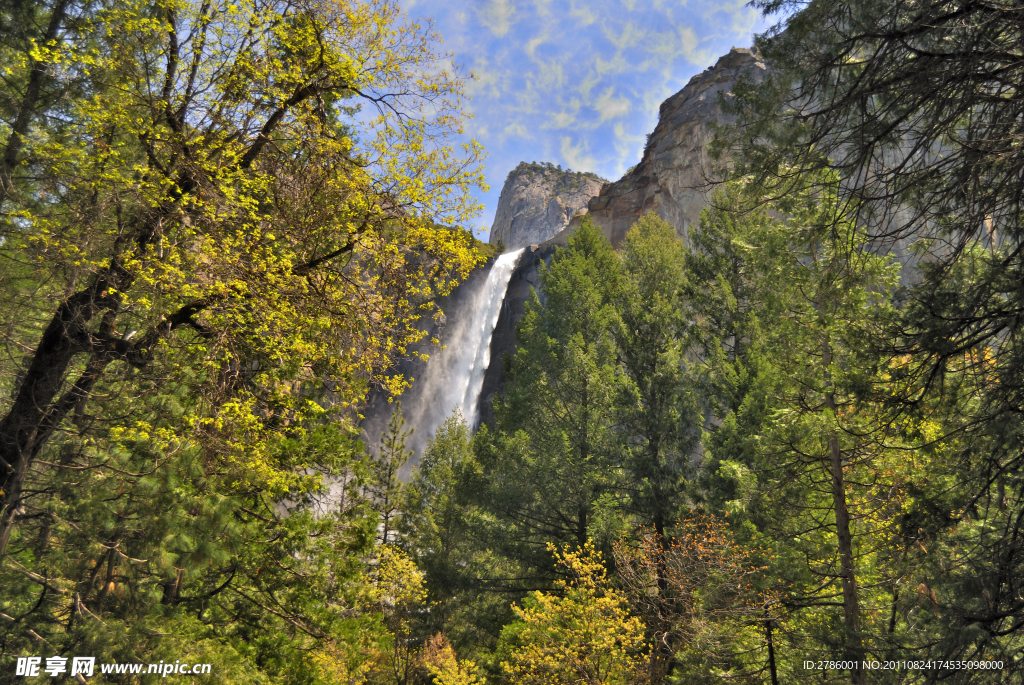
{"x":454,"y":376}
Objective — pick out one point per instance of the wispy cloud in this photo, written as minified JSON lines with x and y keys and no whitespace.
{"x":582,"y":14}
{"x":518,"y":129}
{"x":497,"y":15}
{"x":563,"y":119}
{"x":611,"y":107}
{"x":624,"y":36}
{"x":577,"y":155}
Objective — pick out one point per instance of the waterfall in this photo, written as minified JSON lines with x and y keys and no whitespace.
{"x":454,"y":376}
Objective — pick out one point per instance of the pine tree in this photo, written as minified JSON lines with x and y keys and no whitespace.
{"x":658,"y":416}
{"x":547,"y":460}
{"x":918,"y":106}
{"x":386,"y":491}
{"x":439,"y":528}
{"x":811,"y":464}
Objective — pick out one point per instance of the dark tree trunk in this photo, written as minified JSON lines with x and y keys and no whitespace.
{"x":27,"y":109}
{"x":34,"y":414}
{"x":851,"y":604}
{"x":771,"y":648}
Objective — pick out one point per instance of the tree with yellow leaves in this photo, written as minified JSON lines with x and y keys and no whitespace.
{"x":250,"y":190}
{"x":219,"y":225}
{"x":439,"y":658}
{"x":382,"y":651}
{"x":581,"y":634}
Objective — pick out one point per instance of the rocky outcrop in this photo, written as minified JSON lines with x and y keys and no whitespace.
{"x":537,"y":201}
{"x":674,"y":177}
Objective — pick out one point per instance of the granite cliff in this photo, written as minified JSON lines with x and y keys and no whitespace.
{"x":537,"y":201}
{"x":674,"y":177}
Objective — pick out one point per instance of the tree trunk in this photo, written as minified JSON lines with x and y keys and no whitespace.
{"x":34,"y":415}
{"x":36,"y":411}
{"x":851,"y":607}
{"x":771,"y":648}
{"x":19,"y":433}
{"x":664,"y":664}
{"x":27,"y":109}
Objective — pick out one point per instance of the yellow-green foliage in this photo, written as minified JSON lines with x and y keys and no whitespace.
{"x":445,"y":668}
{"x":582,"y":634}
{"x":379,"y":649}
{"x":265,"y":191}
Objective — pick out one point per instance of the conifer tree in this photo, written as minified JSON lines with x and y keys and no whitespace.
{"x":386,"y":491}
{"x":547,"y":460}
{"x":658,"y":416}
{"x":804,"y":454}
{"x":918,"y":106}
{"x":438,"y":527}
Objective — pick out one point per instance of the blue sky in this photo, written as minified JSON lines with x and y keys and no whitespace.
{"x":577,"y":83}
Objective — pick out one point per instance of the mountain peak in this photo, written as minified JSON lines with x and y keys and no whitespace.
{"x":538,"y":200}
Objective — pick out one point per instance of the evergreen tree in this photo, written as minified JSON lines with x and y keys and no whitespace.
{"x":440,"y":528}
{"x":807,"y":459}
{"x":658,"y":417}
{"x":918,"y":107}
{"x":386,"y":491}
{"x":547,"y":462}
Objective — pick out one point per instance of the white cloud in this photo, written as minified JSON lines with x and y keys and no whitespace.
{"x":628,"y":148}
{"x":587,"y":83}
{"x":613,"y":67}
{"x":744,"y":19}
{"x":577,"y":156}
{"x":582,"y":13}
{"x":689,"y":43}
{"x":549,"y":78}
{"x":497,"y":15}
{"x":629,"y":36}
{"x":611,"y":107}
{"x":534,"y":43}
{"x":517,"y":129}
{"x":486,"y":82}
{"x":565,"y":118}
{"x":543,"y":7}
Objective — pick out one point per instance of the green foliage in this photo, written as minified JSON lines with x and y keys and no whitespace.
{"x":658,"y":415}
{"x":549,"y":457}
{"x":207,"y":256}
{"x":385,"y":489}
{"x":160,"y":554}
{"x":440,"y":528}
{"x":914,"y":105}
{"x":209,"y":252}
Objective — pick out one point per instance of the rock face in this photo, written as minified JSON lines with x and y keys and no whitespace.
{"x":525,"y":277}
{"x":674,"y":177}
{"x":537,"y":201}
